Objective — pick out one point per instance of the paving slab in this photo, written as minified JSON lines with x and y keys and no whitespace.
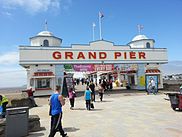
{"x":119,"y":115}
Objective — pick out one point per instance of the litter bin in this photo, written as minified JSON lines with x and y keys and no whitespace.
{"x":17,"y":122}
{"x":174,"y":100}
{"x":180,"y":101}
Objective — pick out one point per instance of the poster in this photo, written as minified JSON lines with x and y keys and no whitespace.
{"x":151,"y":83}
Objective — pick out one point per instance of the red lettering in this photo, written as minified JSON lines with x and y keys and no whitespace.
{"x":117,"y":54}
{"x":142,"y":55}
{"x":81,"y":55}
{"x":132,"y":55}
{"x":56,"y":55}
{"x":68,"y":55}
{"x":102,"y":55}
{"x":125,"y":55}
{"x":92,"y":55}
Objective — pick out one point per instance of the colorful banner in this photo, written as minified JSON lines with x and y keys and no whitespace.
{"x":81,"y":68}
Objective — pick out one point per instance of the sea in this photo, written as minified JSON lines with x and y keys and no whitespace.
{"x":11,"y":90}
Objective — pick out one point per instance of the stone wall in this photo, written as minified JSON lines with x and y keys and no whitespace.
{"x":18,"y":100}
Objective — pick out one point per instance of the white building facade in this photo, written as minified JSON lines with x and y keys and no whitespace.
{"x":44,"y":60}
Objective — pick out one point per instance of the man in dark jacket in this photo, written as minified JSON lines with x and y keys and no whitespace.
{"x":92,"y":88}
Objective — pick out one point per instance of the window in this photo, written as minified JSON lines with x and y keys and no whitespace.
{"x":148,"y":45}
{"x":46,"y":43}
{"x":43,"y":83}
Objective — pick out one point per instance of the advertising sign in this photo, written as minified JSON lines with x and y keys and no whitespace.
{"x":151,"y":83}
{"x":68,"y":67}
{"x":109,"y":67}
{"x":81,"y":68}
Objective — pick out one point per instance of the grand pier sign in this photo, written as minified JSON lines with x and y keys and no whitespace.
{"x":98,"y":52}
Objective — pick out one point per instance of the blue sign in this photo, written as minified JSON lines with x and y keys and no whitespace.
{"x":151,"y":83}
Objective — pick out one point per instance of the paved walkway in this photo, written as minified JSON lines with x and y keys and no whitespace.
{"x":119,"y":115}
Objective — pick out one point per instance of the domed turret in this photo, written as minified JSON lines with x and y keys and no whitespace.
{"x":141,"y":41}
{"x":45,"y":39}
{"x":45,"y":33}
{"x":139,"y":37}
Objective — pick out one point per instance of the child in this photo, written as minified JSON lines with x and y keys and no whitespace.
{"x":87,"y":96}
{"x":72,"y":96}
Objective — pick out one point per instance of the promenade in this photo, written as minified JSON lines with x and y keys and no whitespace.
{"x":119,"y":115}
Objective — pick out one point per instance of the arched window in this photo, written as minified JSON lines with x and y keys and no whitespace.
{"x":147,"y":45}
{"x":46,"y":43}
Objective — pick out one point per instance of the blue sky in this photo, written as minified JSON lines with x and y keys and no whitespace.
{"x":72,"y":21}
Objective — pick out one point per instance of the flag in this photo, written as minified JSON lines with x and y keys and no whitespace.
{"x":93,"y":24}
{"x":101,"y":15}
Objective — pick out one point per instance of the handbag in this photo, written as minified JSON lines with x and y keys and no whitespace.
{"x":74,"y":94}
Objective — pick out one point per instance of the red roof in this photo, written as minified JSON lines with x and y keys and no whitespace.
{"x":152,"y":71}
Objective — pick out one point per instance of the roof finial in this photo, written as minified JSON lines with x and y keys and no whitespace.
{"x":46,"y":28}
{"x":140,"y":27}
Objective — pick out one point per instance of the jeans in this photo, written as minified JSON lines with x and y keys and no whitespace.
{"x":88,"y":104}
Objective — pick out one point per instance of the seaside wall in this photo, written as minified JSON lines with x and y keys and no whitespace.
{"x":172,"y":85}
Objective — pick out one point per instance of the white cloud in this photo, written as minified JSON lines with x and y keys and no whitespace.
{"x":9,"y":58}
{"x":32,"y":6}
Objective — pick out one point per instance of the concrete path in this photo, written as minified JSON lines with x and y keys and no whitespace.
{"x":119,"y":115}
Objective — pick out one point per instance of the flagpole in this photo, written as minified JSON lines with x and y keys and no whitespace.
{"x":139,"y":31}
{"x":93,"y":30}
{"x":46,"y":28}
{"x":100,"y":26}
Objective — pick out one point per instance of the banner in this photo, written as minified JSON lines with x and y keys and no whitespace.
{"x":81,"y":68}
{"x":109,"y":67}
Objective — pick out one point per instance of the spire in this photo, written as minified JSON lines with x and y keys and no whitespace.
{"x":46,"y":28}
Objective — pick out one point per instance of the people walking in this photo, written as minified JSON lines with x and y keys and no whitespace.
{"x":56,"y":103}
{"x":87,"y":96}
{"x":92,"y":88}
{"x":30,"y":93}
{"x":101,"y":91}
{"x":3,"y":103}
{"x":71,"y":95}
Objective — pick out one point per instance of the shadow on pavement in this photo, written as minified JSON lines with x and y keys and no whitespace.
{"x":70,"y":129}
{"x":95,"y":109}
{"x":79,"y":109}
{"x":104,"y":101}
{"x":36,"y":134}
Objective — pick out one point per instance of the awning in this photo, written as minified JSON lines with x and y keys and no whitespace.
{"x":43,"y":76}
{"x":49,"y":73}
{"x":152,"y":71}
{"x":128,"y":71}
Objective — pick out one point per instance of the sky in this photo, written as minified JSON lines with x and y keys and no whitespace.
{"x":72,"y":21}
